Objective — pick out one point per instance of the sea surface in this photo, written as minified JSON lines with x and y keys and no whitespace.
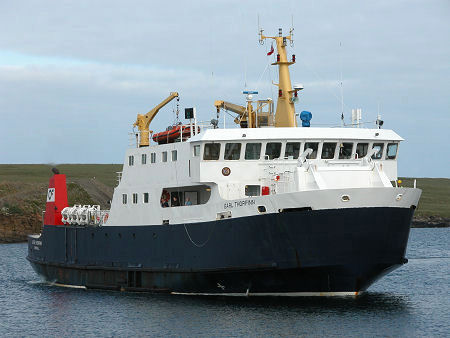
{"x":413,"y":301}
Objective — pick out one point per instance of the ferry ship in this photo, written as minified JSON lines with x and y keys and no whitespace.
{"x":268,"y":208}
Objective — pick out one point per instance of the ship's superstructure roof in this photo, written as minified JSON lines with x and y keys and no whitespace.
{"x":296,"y":133}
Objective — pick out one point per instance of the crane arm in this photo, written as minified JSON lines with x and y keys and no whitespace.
{"x":246,"y":114}
{"x":143,"y":121}
{"x":235,"y":108}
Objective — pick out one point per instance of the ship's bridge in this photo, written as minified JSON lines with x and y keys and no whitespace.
{"x":244,"y":162}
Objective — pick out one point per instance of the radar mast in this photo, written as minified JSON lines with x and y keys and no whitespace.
{"x":285,"y":113}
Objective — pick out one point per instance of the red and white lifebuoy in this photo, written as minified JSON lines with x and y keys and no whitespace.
{"x":105,"y":218}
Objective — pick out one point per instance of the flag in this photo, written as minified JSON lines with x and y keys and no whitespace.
{"x":271,"y":50}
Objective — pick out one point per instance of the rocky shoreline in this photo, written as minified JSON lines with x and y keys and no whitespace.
{"x":15,"y":228}
{"x":430,"y":222}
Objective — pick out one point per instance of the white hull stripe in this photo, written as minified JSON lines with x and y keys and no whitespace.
{"x":277,"y":294}
{"x":69,"y":286}
{"x":244,"y":294}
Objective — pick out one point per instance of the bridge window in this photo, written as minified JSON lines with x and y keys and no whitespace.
{"x":345,"y":150}
{"x":164,"y":156}
{"x":145,"y":197}
{"x":273,"y":150}
{"x":174,"y":156}
{"x":144,"y":159}
{"x":328,"y":150}
{"x":211,"y":152}
{"x":135,"y":198}
{"x":292,"y":150}
{"x":252,"y":151}
{"x":232,"y":151}
{"x":130,"y":160}
{"x":124,"y":198}
{"x":197,"y":150}
{"x":361,"y":149}
{"x":379,"y":154}
{"x":153,"y":157}
{"x":314,"y":146}
{"x":391,"y":151}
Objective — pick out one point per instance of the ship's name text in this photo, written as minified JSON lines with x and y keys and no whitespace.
{"x":36,"y":244}
{"x":237,"y":204}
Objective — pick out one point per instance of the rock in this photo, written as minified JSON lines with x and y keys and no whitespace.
{"x":16,"y":228}
{"x":430,"y":222}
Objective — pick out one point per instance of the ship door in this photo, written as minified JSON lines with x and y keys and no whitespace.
{"x":71,"y":245}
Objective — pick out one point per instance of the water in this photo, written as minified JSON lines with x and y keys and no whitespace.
{"x":412,"y":301}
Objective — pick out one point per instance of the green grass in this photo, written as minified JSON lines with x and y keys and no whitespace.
{"x":40,"y":173}
{"x":77,"y":195}
{"x":435,"y":199}
{"x":23,"y":187}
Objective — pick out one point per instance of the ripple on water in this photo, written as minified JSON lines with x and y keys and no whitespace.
{"x":411,"y":301}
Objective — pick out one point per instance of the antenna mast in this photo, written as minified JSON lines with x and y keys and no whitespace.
{"x":285,"y":113}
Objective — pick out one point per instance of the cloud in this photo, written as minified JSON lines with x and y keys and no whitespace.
{"x":73,"y":75}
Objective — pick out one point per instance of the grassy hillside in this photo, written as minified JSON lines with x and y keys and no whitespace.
{"x":40,"y":173}
{"x":23,"y":187}
{"x":29,"y":198}
{"x":435,"y":199}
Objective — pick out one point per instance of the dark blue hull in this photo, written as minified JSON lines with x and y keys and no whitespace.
{"x":339,"y":250}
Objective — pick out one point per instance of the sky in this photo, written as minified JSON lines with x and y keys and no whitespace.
{"x":74,"y":74}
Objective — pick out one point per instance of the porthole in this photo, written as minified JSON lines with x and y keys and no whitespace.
{"x":261,"y":209}
{"x":399,"y":197}
{"x":345,"y":198}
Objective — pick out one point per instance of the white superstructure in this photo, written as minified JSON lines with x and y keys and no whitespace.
{"x":223,"y":173}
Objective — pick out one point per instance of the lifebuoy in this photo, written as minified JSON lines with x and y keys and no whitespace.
{"x":165,"y":195}
{"x":105,"y":218}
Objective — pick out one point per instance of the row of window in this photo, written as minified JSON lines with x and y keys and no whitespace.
{"x":164,"y":157}
{"x":168,"y":199}
{"x":135,"y":198}
{"x":329,"y":150}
